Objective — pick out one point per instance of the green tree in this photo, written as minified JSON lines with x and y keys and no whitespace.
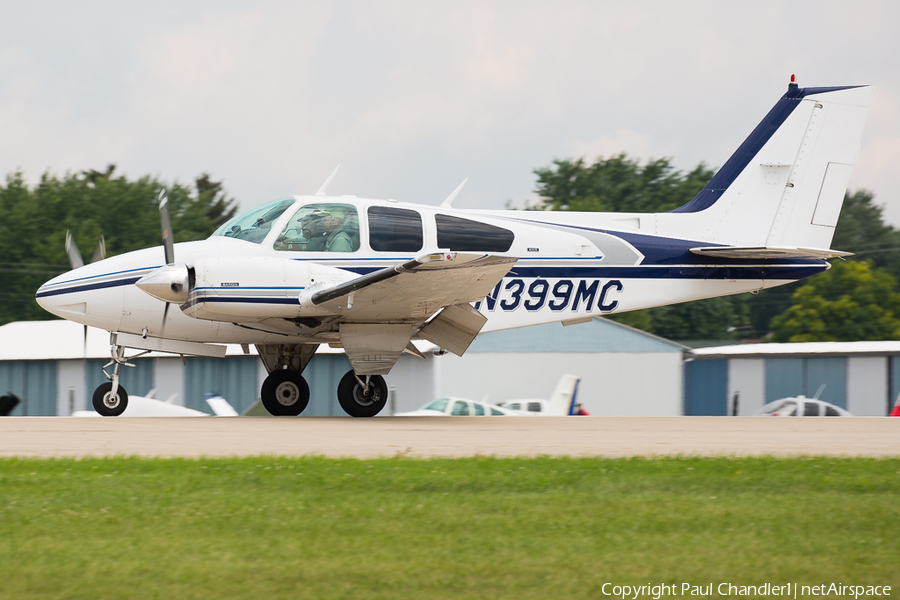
{"x":852,"y":301}
{"x":34,"y":221}
{"x":618,"y":184}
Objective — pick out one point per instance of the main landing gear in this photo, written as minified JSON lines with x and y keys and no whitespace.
{"x":286,"y":393}
{"x":362,"y":397}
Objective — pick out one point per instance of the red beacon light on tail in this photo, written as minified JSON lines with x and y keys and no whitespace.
{"x":793,"y":84}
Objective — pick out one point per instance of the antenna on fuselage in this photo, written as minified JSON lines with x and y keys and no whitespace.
{"x":325,"y":185}
{"x":452,"y":196}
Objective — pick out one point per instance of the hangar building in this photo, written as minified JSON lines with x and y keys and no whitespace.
{"x":862,"y":377}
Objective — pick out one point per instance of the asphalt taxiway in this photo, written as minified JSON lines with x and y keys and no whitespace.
{"x":449,"y":437}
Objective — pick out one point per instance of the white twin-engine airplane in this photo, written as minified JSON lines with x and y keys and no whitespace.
{"x":373,"y":275}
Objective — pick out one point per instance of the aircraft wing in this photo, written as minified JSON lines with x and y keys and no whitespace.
{"x":416,"y":289}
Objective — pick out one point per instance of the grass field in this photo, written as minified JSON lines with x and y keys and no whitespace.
{"x":467,"y":528}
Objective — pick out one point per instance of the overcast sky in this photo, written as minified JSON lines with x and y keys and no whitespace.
{"x":412,"y":97}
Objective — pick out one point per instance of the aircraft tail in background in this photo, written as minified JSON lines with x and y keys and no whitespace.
{"x":562,"y":401}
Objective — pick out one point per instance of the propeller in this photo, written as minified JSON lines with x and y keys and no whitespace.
{"x":74,"y":253}
{"x":168,"y":283}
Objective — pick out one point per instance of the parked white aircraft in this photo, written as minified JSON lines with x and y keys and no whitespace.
{"x":148,"y":406}
{"x":560,"y":404}
{"x":372,"y":275}
{"x":460,"y":407}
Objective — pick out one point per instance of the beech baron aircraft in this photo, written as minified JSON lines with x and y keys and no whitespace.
{"x":374,"y":275}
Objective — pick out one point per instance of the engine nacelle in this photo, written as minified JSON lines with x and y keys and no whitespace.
{"x":243,"y":289}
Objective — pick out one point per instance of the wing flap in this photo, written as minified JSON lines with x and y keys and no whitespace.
{"x":766,"y":252}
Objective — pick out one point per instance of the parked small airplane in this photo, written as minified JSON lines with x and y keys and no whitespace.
{"x":373,"y":275}
{"x":460,"y":407}
{"x":561,"y":402}
{"x":801,"y":406}
{"x":148,"y":406}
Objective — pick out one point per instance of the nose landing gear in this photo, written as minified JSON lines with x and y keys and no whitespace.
{"x":110,"y":399}
{"x":362,"y":397}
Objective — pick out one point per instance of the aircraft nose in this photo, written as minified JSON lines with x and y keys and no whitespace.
{"x":56,"y":297}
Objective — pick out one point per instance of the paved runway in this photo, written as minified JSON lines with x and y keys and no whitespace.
{"x":449,"y":437}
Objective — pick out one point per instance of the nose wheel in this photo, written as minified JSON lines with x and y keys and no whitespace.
{"x":285,"y":393}
{"x":109,"y":403}
{"x":363,"y":396}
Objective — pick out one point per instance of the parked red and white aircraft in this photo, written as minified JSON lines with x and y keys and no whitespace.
{"x":373,"y":275}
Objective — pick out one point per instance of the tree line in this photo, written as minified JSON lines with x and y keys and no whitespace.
{"x":34,"y":221}
{"x":857,"y":299}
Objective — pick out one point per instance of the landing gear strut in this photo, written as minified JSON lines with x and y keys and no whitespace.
{"x":285,"y":393}
{"x":362,"y":396}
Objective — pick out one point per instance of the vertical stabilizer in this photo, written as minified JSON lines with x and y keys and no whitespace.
{"x":785,"y":184}
{"x":563,"y":398}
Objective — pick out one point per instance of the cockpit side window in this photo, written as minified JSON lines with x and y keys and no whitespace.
{"x":394,"y":229}
{"x":464,"y":235}
{"x":255,"y":224}
{"x":321,"y":228}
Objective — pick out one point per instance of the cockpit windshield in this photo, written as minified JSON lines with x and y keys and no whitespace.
{"x":255,"y":224}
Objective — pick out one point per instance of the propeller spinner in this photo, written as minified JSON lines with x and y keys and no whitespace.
{"x":168,"y":283}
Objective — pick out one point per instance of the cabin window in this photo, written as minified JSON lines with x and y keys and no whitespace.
{"x":460,"y":409}
{"x":465,"y":235}
{"x":811,"y":409}
{"x":394,"y":229}
{"x":534,"y":407}
{"x":321,"y":228}
{"x":439,"y":405}
{"x":255,"y":224}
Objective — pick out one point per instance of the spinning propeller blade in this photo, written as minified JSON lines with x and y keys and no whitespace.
{"x":72,"y":250}
{"x":99,"y":251}
{"x":168,"y":242}
{"x":168,"y":246}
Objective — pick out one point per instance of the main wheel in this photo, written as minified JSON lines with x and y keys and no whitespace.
{"x":285,"y":393}
{"x":359,"y":402}
{"x":108,"y":405}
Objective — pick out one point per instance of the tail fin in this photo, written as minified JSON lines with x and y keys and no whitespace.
{"x":785,"y":185}
{"x":563,"y":398}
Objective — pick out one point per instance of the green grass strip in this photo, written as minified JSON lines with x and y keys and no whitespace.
{"x":270,"y":527}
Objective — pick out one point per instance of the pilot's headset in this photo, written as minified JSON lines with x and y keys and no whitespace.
{"x":317,"y":223}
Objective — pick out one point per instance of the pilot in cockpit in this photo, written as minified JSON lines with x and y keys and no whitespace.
{"x":325,"y":231}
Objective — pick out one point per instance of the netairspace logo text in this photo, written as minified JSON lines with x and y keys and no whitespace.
{"x":727,"y":590}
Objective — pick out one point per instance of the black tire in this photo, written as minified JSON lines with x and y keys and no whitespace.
{"x":106,"y":405}
{"x":355,"y":402}
{"x":285,"y":393}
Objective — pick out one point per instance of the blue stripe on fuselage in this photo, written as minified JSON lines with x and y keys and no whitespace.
{"x":86,"y":287}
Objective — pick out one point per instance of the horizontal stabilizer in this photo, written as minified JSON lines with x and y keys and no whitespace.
{"x":763,"y":252}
